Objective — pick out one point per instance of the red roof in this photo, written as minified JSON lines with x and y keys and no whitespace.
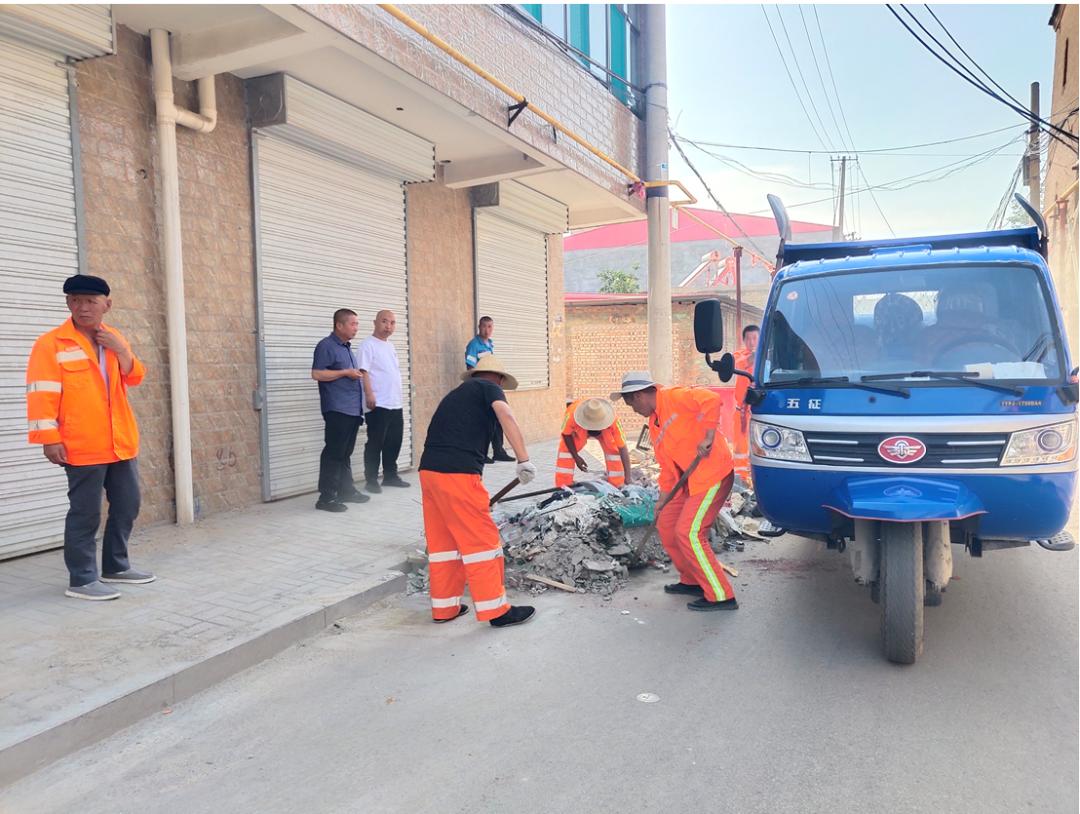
{"x":636,"y":233}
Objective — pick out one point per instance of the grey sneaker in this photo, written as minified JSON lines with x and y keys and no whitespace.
{"x":93,"y":591}
{"x":131,"y":577}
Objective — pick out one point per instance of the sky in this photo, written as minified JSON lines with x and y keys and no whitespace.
{"x":727,"y":85}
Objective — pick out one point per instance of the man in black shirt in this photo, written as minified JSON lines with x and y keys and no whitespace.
{"x":462,"y":540}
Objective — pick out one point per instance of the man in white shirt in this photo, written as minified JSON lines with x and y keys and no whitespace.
{"x":383,"y":404}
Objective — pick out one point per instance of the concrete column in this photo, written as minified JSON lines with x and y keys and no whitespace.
{"x":654,"y":33}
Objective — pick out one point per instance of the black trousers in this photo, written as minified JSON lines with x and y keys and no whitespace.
{"x":335,"y":466}
{"x":120,"y":481}
{"x":497,"y":440}
{"x":384,"y":432}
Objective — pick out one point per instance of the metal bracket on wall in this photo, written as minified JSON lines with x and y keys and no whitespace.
{"x":513,"y":111}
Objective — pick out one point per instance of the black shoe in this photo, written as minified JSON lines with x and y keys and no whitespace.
{"x":331,"y":506}
{"x":462,"y":610}
{"x":704,"y":604}
{"x":355,"y":497}
{"x":373,"y":487}
{"x":515,"y":616}
{"x":683,"y":588}
{"x":503,"y":457}
{"x":398,"y":482}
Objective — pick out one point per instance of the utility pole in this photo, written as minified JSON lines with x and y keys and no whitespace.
{"x":737,"y":251}
{"x":838,"y":229}
{"x":1033,"y":162}
{"x":657,"y":198}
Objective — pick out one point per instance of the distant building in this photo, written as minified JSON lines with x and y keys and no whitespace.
{"x":1060,"y":187}
{"x":624,"y":247}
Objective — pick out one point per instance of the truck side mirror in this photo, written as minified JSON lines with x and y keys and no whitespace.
{"x":709,"y":327}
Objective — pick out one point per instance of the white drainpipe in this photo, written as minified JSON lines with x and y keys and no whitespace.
{"x":168,"y":116}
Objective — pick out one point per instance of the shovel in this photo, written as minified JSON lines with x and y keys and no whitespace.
{"x":636,"y":561}
{"x":503,"y":492}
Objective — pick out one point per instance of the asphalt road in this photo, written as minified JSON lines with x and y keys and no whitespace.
{"x":783,"y":706}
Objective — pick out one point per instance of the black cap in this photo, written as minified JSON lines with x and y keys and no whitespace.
{"x":85,"y":284}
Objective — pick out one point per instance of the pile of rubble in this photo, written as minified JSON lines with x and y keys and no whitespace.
{"x":578,"y":540}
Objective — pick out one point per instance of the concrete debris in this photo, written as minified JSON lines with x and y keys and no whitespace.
{"x":577,"y":540}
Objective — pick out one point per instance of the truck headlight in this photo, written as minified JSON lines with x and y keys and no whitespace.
{"x":778,"y":443}
{"x":1051,"y":444}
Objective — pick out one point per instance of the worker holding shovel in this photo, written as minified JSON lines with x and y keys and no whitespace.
{"x":695,"y":464}
{"x":463,"y":543}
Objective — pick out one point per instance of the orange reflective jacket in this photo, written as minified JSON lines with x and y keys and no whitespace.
{"x":744,"y":360}
{"x":611,"y":441}
{"x":67,"y":401}
{"x":682,"y":417}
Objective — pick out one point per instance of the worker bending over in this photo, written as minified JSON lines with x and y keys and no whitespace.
{"x":682,"y":425}
{"x":462,"y":541}
{"x":585,"y":419}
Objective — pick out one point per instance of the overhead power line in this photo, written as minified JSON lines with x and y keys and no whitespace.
{"x":917,"y":179}
{"x":863,"y":152}
{"x":791,"y":79}
{"x":821,"y":80}
{"x":968,"y":77}
{"x":802,"y":78}
{"x":710,"y":193}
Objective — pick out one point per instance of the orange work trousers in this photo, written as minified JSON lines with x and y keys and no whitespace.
{"x":684,"y":532}
{"x":463,"y":545}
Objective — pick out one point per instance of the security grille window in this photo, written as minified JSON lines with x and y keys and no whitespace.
{"x":604,"y":37}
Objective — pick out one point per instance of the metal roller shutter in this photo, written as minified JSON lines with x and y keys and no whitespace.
{"x":512,"y":289}
{"x":331,"y":235}
{"x":38,"y":250}
{"x":76,"y":30}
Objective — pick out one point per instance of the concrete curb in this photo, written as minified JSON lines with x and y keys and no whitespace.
{"x":39,"y":750}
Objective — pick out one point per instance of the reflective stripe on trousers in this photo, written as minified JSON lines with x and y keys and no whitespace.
{"x":463,"y":544}
{"x":683,"y":526}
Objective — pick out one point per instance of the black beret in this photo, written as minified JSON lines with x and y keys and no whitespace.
{"x":85,"y":284}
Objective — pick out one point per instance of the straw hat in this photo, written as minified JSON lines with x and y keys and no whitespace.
{"x":489,"y":364}
{"x":632,"y":382}
{"x":595,"y":414}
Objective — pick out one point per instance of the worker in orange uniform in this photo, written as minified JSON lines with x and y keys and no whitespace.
{"x":77,"y":405}
{"x":463,"y":543}
{"x":682,"y":425}
{"x":745,"y":358}
{"x":585,"y":419}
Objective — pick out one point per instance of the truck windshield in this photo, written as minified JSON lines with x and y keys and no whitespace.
{"x":990,"y":322}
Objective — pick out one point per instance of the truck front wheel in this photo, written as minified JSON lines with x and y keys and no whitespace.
{"x":902,"y":588}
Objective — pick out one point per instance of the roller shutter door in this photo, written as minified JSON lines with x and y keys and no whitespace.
{"x":38,"y":250}
{"x":510,"y":238}
{"x":331,"y":235}
{"x":512,"y":289}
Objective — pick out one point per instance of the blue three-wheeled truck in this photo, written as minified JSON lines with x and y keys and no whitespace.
{"x":908,"y":396}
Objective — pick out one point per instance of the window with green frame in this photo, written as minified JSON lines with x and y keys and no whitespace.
{"x":603,"y":36}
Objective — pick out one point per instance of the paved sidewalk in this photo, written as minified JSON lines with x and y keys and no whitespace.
{"x":232,"y":590}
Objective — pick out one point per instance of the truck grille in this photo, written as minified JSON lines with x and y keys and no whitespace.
{"x":943,"y":451}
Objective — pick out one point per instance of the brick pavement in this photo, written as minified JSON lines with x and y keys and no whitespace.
{"x":232,"y":590}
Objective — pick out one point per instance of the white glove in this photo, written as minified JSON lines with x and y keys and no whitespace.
{"x":526,"y":471}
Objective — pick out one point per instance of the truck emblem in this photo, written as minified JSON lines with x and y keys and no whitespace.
{"x":902,"y":449}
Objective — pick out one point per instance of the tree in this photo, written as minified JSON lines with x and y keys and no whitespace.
{"x":616,"y":281}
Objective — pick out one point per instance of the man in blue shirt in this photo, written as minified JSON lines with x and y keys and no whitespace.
{"x":479,"y":346}
{"x":341,"y":395}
